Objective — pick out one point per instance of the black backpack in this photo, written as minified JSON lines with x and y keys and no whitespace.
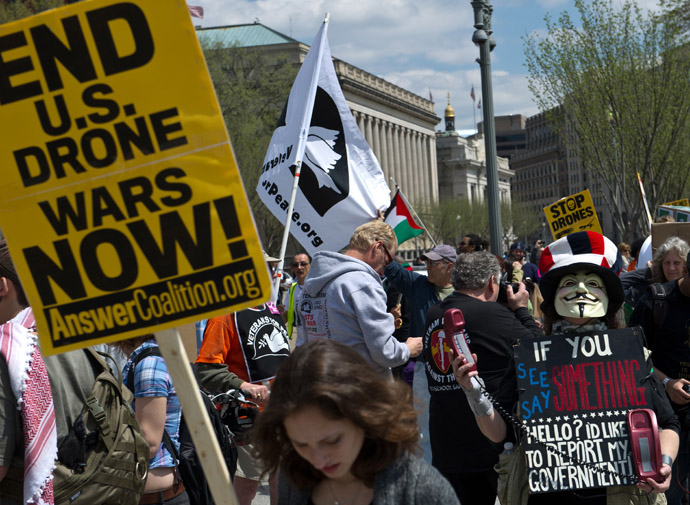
{"x":189,"y":467}
{"x":659,"y":304}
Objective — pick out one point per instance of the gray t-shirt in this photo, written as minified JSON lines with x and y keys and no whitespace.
{"x":72,"y":376}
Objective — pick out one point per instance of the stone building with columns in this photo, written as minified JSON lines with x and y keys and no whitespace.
{"x":397,"y":124}
{"x":462,"y":165}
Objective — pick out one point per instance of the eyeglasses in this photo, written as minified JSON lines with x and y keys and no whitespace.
{"x":389,"y":256}
{"x":463,"y":243}
{"x":300,"y":264}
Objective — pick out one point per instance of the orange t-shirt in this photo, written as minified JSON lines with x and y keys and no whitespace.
{"x":222,"y":345}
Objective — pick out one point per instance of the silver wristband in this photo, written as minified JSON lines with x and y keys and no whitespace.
{"x":667,"y":460}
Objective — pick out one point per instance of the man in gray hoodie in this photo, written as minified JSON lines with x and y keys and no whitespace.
{"x":344,"y":299}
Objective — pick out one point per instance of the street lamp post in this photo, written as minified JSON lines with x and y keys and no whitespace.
{"x":482,"y":37}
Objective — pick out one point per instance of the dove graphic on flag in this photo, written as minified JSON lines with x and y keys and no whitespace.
{"x":341,"y":184}
{"x":321,"y":154}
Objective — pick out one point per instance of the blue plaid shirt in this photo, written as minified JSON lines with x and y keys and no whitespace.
{"x":151,"y":380}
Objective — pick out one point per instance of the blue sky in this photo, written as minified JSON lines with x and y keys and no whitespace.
{"x":420,"y":46}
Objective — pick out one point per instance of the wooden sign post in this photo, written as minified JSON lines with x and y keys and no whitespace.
{"x":197,"y":419}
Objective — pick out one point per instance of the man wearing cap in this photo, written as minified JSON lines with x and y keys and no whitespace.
{"x":517,"y":255}
{"x":423,"y":291}
{"x":467,"y":460}
{"x":666,"y":324}
{"x":344,"y":299}
{"x":582,"y":294}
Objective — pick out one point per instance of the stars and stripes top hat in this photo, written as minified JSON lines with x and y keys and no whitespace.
{"x":584,"y":250}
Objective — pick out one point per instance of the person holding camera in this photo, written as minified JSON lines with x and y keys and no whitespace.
{"x":467,"y":461}
{"x":520,"y":263}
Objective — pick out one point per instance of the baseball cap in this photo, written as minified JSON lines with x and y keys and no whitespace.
{"x":443,"y":251}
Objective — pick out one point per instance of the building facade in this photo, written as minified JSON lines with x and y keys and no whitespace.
{"x":549,"y":169}
{"x":462,"y":166}
{"x":540,"y":169}
{"x":397,"y":124}
{"x":511,"y":134}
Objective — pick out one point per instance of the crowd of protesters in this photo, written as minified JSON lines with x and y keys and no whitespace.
{"x":337,"y":423}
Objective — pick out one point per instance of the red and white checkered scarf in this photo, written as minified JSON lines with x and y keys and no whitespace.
{"x":31,"y":387}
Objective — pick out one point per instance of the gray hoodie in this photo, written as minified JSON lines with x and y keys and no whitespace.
{"x":343,"y":299}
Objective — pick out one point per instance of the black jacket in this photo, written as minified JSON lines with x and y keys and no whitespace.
{"x":457,"y":445}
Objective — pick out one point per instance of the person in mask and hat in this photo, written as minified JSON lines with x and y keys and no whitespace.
{"x":582,"y":294}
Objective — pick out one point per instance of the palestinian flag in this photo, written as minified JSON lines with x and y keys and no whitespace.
{"x":399,"y":217}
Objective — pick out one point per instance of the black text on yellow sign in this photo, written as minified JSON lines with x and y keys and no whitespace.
{"x":571,"y":214}
{"x":133,"y":216}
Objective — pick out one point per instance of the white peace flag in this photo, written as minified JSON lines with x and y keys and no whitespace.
{"x":341,"y":184}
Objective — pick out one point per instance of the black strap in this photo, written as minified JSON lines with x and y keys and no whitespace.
{"x":167,"y":441}
{"x":170,"y":445}
{"x":659,"y":306}
{"x":149,"y":351}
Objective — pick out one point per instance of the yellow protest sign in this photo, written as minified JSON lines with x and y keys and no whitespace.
{"x":572,"y":213}
{"x":678,"y":203}
{"x":122,"y":202}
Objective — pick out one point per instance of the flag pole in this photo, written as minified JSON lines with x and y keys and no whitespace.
{"x":474,"y":111}
{"x":416,"y":216}
{"x":299,"y":154}
{"x":647,"y":213}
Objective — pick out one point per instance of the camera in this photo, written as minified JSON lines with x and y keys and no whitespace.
{"x":504,"y":285}
{"x":686,"y":388}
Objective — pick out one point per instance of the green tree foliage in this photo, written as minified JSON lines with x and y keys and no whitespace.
{"x":678,"y":10}
{"x":617,"y":86}
{"x":11,"y":10}
{"x":448,"y":220}
{"x":522,"y":222}
{"x":252,"y":91}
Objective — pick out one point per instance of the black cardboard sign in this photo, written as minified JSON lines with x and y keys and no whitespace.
{"x":575,"y":393}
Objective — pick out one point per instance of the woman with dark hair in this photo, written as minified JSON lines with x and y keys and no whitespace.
{"x":341,"y":433}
